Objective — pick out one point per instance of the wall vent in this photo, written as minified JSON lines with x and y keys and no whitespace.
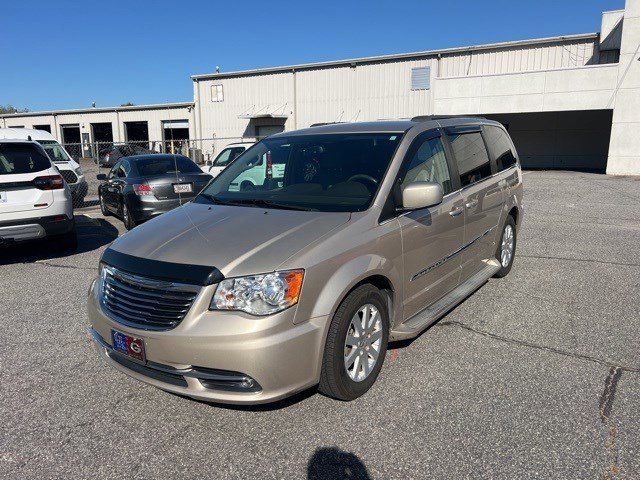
{"x":421,"y":78}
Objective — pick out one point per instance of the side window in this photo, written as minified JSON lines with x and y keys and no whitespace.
{"x":126,"y":168}
{"x":500,"y":147}
{"x":471,"y":157}
{"x":429,"y":164}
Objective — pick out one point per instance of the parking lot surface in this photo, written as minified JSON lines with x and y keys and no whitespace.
{"x":536,"y":375}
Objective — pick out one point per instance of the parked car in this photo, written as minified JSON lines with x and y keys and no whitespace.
{"x":109,"y":156}
{"x":69,"y":168}
{"x":35,"y":202}
{"x":368,"y":232}
{"x":225,"y":157}
{"x":143,"y":186}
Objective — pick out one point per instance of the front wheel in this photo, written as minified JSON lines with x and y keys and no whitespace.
{"x":506,"y":251}
{"x":356,"y":344}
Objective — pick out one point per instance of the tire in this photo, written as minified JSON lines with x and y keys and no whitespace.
{"x":336,"y":379}
{"x":103,"y":207}
{"x":247,"y":186}
{"x":128,"y":220}
{"x":505,"y":268}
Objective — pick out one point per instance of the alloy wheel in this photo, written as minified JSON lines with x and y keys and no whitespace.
{"x":363,"y":342}
{"x":508,"y":243}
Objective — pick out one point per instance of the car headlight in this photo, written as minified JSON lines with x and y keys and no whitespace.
{"x":259,"y":294}
{"x":78,"y":171}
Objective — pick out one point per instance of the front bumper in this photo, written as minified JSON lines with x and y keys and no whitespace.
{"x":208,"y":351}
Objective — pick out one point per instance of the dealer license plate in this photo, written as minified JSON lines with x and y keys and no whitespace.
{"x":126,"y":344}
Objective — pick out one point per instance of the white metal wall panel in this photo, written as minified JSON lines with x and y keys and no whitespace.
{"x":522,"y":58}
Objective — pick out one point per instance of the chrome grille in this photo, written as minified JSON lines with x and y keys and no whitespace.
{"x":69,"y":176}
{"x":145,"y":303}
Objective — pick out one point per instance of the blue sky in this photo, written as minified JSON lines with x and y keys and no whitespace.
{"x":63,"y":54}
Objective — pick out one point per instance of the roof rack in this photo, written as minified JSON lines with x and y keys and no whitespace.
{"x":426,"y":118}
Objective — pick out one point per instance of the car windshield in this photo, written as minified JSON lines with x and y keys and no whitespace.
{"x":21,"y":158}
{"x":55,"y":151}
{"x":324,"y":172}
{"x":163,"y":164}
{"x":227,"y":156}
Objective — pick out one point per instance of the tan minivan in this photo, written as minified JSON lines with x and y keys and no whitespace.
{"x":354,"y":235}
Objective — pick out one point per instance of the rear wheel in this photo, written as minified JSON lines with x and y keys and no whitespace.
{"x":506,"y":251}
{"x":356,"y":344}
{"x":128,"y":220}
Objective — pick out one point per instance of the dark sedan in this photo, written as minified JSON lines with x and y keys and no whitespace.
{"x":141,"y":187}
{"x":109,"y":156}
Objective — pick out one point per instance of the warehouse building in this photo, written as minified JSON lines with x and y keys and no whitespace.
{"x":569,"y":102}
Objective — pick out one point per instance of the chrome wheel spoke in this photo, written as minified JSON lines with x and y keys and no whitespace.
{"x":362,"y":342}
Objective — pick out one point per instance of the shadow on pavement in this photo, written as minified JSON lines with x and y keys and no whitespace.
{"x":92,"y":234}
{"x":331,"y":463}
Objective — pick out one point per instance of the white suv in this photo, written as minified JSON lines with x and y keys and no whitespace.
{"x":34,"y":199}
{"x":69,"y":168}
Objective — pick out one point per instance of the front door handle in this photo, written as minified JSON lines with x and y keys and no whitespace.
{"x":472,"y":203}
{"x":456,"y":211}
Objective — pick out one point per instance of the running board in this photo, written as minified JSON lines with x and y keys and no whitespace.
{"x":421,"y":320}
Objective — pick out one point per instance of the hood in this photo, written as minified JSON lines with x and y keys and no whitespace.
{"x":235,"y":240}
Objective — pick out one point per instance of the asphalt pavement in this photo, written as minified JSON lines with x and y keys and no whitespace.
{"x":536,"y":375}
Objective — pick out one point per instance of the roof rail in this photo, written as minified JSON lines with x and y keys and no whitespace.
{"x":426,"y":118}
{"x":321,"y":124}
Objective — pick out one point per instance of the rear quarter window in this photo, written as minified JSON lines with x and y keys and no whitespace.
{"x":471,"y":157}
{"x":500,"y":147}
{"x":22,"y":158}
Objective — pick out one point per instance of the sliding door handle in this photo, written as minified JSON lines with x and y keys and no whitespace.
{"x":456,"y":211}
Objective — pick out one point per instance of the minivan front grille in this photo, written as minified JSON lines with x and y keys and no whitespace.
{"x":69,"y":176}
{"x":143,"y":302}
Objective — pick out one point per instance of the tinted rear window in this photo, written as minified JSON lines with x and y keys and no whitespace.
{"x":471,"y":157}
{"x":500,"y":147}
{"x":161,"y":165}
{"x":22,"y":158}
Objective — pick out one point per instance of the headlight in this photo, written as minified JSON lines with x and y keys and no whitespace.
{"x":259,"y":294}
{"x":78,"y":171}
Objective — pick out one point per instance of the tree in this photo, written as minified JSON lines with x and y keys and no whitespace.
{"x":11,"y":109}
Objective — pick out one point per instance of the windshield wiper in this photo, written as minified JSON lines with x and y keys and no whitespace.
{"x":259,"y":202}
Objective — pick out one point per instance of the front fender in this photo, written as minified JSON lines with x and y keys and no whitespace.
{"x":351,"y":273}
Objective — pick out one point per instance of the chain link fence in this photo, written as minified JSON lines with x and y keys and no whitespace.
{"x":98,"y":157}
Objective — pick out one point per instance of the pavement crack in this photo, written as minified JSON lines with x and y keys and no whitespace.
{"x":545,"y":348}
{"x":58,"y":265}
{"x":609,"y":393}
{"x":611,"y":449}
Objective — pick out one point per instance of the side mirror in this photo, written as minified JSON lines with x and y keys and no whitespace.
{"x":101,"y":177}
{"x":421,"y":195}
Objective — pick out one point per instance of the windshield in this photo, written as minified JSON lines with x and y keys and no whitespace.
{"x":55,"y":151}
{"x":327,"y":172}
{"x":21,"y":158}
{"x":163,"y":164}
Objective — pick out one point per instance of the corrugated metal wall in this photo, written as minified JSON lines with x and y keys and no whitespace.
{"x":523,"y":58}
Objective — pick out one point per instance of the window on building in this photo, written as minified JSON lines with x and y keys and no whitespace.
{"x":429,"y":164}
{"x":217,"y":93}
{"x":44,"y":128}
{"x":500,"y":147}
{"x":471,"y":157}
{"x":421,"y":78}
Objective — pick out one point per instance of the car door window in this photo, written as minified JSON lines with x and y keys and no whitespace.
{"x":227,"y":156}
{"x":471,"y":157}
{"x":429,"y":164}
{"x":500,"y":147}
{"x":120,"y":173}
